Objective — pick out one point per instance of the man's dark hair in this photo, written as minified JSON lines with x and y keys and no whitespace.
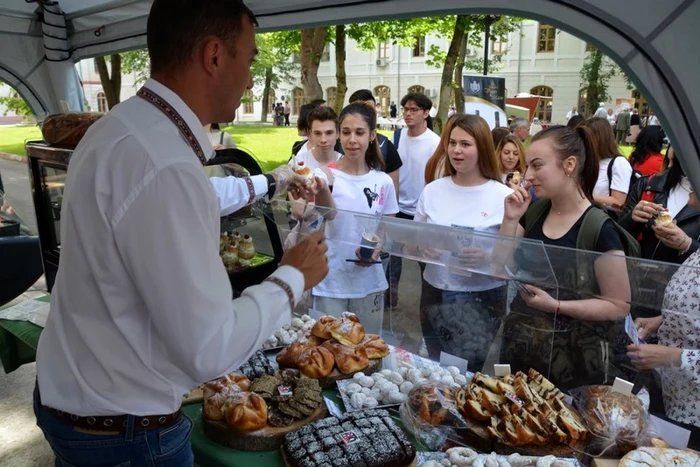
{"x":317,"y":102}
{"x":304,"y":112}
{"x":421,"y":100}
{"x":362,"y":95}
{"x":321,"y":114}
{"x":176,"y":27}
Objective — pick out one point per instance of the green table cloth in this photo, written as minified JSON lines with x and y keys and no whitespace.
{"x":19,"y":341}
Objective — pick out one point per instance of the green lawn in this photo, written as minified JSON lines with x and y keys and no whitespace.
{"x":271,"y":146}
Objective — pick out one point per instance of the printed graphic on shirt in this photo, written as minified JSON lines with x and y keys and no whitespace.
{"x":372,"y":196}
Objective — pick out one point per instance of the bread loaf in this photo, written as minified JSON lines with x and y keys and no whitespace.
{"x":316,"y":362}
{"x":66,"y":130}
{"x":348,"y":330}
{"x":246,"y":412}
{"x":375,"y":345}
{"x":348,"y":358}
{"x":645,"y":457}
{"x":322,"y":327}
{"x":289,"y":356}
{"x":614,"y":416}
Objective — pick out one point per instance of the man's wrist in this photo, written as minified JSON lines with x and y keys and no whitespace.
{"x":271,"y":185}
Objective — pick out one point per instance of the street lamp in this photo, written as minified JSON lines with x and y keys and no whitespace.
{"x":488,"y":21}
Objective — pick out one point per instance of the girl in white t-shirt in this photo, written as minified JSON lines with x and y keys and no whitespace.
{"x":468,"y":306}
{"x":359,"y":186}
{"x":609,"y":192}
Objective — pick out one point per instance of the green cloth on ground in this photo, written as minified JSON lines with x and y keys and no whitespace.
{"x":19,"y":341}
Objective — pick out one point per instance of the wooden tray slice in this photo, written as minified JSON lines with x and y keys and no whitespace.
{"x":266,"y":439}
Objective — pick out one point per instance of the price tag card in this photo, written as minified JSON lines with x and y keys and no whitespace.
{"x":452,"y":360}
{"x":333,"y":408}
{"x":674,"y":435}
{"x":622,"y":386}
{"x":501,"y":370}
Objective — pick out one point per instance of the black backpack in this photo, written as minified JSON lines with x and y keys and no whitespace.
{"x":636,"y":175}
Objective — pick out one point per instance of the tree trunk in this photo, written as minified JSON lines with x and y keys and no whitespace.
{"x":593,"y":85}
{"x":111,"y":85}
{"x":266,"y":95}
{"x":461,"y":27}
{"x":312,"y":43}
{"x":341,"y":79}
{"x":458,"y":88}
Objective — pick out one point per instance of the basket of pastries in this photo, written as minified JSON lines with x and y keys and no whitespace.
{"x":334,"y":349}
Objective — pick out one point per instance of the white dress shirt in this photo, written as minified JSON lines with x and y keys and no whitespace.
{"x":141,"y":310}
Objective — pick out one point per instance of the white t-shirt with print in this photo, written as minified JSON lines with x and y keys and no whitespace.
{"x":372,"y":193}
{"x":480,"y":207}
{"x":414,"y":152}
{"x":621,"y":174}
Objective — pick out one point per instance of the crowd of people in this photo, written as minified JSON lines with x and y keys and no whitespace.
{"x":577,"y":192}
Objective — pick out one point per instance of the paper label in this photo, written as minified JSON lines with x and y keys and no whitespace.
{"x":349,"y":437}
{"x":25,"y":311}
{"x":333,"y":408}
{"x":631,"y":330}
{"x":452,"y":360}
{"x":674,"y":435}
{"x":622,"y":386}
{"x":501,"y":370}
{"x":285,"y":390}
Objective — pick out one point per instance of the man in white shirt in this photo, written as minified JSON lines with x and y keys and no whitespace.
{"x":141,"y":311}
{"x":602,"y":111}
{"x":416,"y":144}
{"x":571,"y":113}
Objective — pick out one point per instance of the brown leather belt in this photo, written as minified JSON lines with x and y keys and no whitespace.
{"x":116,"y":422}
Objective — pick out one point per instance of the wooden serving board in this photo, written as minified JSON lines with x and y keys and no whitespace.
{"x":266,"y":439}
{"x":287,"y":464}
{"x":329,"y":381}
{"x":195,"y":395}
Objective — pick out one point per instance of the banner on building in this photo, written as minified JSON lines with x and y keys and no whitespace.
{"x":486,"y":96}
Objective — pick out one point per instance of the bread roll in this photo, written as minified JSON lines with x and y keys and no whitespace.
{"x":348,"y":358}
{"x":322,"y":327}
{"x":246,"y":412}
{"x":66,"y":130}
{"x":348,"y":330}
{"x":645,"y":457}
{"x":316,"y":362}
{"x":615,"y":416}
{"x":289,"y":356}
{"x":375,"y":345}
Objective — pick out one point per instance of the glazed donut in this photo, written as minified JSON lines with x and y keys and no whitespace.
{"x":462,"y":457}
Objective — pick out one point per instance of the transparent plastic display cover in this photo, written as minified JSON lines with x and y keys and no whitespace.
{"x":495,"y":307}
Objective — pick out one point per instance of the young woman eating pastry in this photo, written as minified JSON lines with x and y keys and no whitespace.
{"x":511,"y":156}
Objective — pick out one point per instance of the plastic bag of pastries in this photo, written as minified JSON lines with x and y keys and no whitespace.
{"x":66,"y":130}
{"x":615,"y":419}
{"x":430,"y":413}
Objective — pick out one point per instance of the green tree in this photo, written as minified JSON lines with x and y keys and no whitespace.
{"x":272,"y":65}
{"x":340,"y":76}
{"x":595,"y":74}
{"x":313,"y":41}
{"x":15,"y":103}
{"x":137,"y":62}
{"x":111,"y":78}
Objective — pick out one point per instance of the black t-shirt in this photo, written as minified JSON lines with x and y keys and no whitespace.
{"x":608,"y":239}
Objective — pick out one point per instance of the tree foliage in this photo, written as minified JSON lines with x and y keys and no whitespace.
{"x":272,"y":66}
{"x":14,"y":103}
{"x":137,"y":62}
{"x":595,"y":75}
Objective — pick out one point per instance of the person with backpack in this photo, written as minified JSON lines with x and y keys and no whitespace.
{"x":593,"y":290}
{"x":614,"y":172}
{"x":668,"y":190}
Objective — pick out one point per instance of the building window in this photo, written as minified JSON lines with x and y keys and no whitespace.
{"x":544,"y":106}
{"x":416,"y":88}
{"x":297,"y":100}
{"x":330,"y":97}
{"x":582,"y":107}
{"x":102,"y":102}
{"x":640,"y":103}
{"x":419,"y":47}
{"x":498,"y":47}
{"x":384,"y":50}
{"x":248,"y":101}
{"x":546,"y":38}
{"x":383,"y":93}
{"x":326,"y":55}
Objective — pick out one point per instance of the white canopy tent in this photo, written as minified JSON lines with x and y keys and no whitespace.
{"x":652,"y":40}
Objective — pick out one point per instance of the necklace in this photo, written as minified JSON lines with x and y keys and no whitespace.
{"x":579,"y":202}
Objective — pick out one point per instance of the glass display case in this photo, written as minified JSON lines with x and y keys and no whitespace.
{"x":491,"y":300}
{"x":48,"y":171}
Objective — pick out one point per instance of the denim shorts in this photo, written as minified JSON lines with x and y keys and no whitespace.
{"x":169,"y":446}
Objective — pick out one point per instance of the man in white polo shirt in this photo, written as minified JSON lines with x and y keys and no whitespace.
{"x":416,"y":144}
{"x":141,"y":310}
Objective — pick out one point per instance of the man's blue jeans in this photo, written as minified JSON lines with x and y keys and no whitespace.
{"x":169,"y":446}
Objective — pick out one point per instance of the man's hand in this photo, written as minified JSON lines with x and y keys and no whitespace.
{"x":309,"y":257}
{"x":288,"y":180}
